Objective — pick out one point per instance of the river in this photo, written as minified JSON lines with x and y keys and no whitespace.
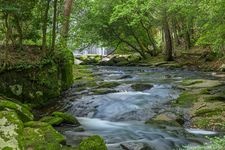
{"x":119,"y":117}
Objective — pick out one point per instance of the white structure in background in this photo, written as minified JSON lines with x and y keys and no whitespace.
{"x":92,"y":50}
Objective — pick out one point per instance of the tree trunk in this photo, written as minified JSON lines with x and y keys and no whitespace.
{"x":44,"y":26}
{"x":168,"y":39}
{"x":68,"y":4}
{"x":175,"y":33}
{"x":187,"y":40}
{"x":54,"y":26}
{"x":20,"y":31}
{"x":9,"y":32}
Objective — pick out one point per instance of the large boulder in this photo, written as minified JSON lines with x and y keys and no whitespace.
{"x":11,"y":131}
{"x":42,"y":136}
{"x":22,"y":111}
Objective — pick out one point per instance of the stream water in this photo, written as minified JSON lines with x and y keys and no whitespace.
{"x":119,"y":116}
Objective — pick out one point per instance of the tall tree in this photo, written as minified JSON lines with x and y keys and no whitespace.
{"x":54,"y":25}
{"x":68,"y":5}
{"x":45,"y":24}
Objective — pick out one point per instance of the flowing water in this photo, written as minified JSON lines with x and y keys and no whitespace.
{"x":119,"y":117}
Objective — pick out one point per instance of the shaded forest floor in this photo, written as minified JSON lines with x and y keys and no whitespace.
{"x":194,"y":59}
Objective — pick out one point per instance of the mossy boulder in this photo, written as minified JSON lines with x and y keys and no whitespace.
{"x":93,"y":143}
{"x":11,"y":131}
{"x":141,"y":86}
{"x":67,"y":118}
{"x":52,"y":120}
{"x":43,"y":137}
{"x":40,"y":82}
{"x":22,"y":111}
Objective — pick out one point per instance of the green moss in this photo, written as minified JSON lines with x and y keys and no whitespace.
{"x":205,"y":91}
{"x":67,"y":118}
{"x":54,"y":121}
{"x":191,"y":82}
{"x":103,"y":91}
{"x":66,"y":69}
{"x":215,"y":98}
{"x":83,"y":75}
{"x":93,"y":143}
{"x":141,"y":86}
{"x":108,"y":84}
{"x":162,"y":123}
{"x":11,"y":131}
{"x":209,"y":112}
{"x":42,"y":138}
{"x":22,"y":111}
{"x":39,"y":83}
{"x":35,"y":124}
{"x":185,"y":99}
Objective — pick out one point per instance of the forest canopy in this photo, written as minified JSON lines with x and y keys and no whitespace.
{"x":147,"y":27}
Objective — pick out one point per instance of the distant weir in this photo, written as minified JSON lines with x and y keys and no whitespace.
{"x":93,"y":50}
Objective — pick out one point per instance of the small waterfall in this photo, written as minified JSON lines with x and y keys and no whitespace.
{"x":93,"y":50}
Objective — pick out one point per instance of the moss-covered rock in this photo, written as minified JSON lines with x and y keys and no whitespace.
{"x":35,"y":124}
{"x":22,"y":111}
{"x":40,"y":82}
{"x":185,"y":99}
{"x":90,"y":59}
{"x":93,"y":143}
{"x":54,"y":121}
{"x":166,"y":119}
{"x":11,"y":131}
{"x":141,"y":86}
{"x":67,"y":118}
{"x":191,"y":82}
{"x":108,"y":84}
{"x":44,"y":137}
{"x":103,"y":91}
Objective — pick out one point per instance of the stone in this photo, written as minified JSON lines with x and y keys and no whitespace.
{"x":45,"y":137}
{"x":103,"y":91}
{"x":67,"y":118}
{"x":108,"y":84}
{"x":135,"y":146}
{"x":11,"y":130}
{"x":141,"y":86}
{"x":22,"y":111}
{"x":222,"y":68}
{"x":93,"y":143}
{"x":54,"y":121}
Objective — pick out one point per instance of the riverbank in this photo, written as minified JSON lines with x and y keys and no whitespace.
{"x":30,"y":80}
{"x":193,"y":59}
